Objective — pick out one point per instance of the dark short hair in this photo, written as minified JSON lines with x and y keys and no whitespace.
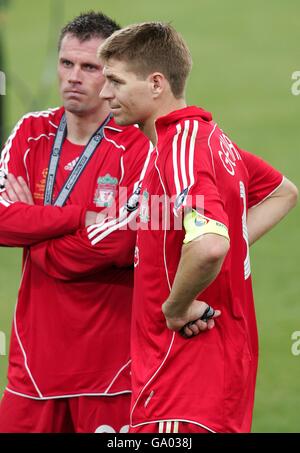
{"x":89,"y":25}
{"x":150,"y":47}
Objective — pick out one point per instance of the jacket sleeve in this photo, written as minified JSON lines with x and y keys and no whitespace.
{"x":21,"y":224}
{"x":101,"y":245}
{"x":74,"y":256}
{"x":263,"y":178}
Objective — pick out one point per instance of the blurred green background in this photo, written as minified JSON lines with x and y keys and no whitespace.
{"x":244,"y":56}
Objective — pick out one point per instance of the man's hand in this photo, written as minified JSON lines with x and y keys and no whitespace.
{"x":16,"y":189}
{"x":189,"y":322}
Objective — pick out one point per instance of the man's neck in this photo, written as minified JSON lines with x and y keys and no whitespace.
{"x":148,"y":127}
{"x":81,"y":128}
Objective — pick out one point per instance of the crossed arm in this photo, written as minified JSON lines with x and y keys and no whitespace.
{"x":71,"y":255}
{"x":16,"y":189}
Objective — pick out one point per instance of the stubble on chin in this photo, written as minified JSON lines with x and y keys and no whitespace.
{"x":119,"y":121}
{"x":74,"y":107}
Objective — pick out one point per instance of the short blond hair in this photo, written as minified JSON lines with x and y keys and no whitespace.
{"x":149,"y":47}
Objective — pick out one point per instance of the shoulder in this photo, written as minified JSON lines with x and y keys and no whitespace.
{"x":35,"y":124}
{"x":188,"y":133}
{"x":31,"y":127}
{"x":188,"y":137}
{"x":134,"y":136}
{"x":44,"y":121}
{"x":126,"y":132}
{"x":126,"y":137}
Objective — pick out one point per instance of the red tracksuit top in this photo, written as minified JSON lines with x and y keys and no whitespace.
{"x":72,"y":320}
{"x":209,"y":379}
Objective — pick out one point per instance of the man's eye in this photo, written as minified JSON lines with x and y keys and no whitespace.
{"x":67,"y":63}
{"x":90,"y":67}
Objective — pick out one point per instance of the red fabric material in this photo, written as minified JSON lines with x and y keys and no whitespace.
{"x":75,"y":295}
{"x":169,"y":427}
{"x":209,"y":379}
{"x":64,"y":415}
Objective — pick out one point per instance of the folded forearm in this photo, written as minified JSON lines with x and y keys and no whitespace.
{"x":22,"y":225}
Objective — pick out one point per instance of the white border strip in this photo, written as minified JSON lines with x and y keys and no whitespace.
{"x":113,"y":228}
{"x":183,"y":154}
{"x":151,"y":379}
{"x":269,"y":195}
{"x":209,"y":145}
{"x":166,"y":420}
{"x":19,"y":340}
{"x":117,"y":375}
{"x":192,"y":154}
{"x":123,"y":392}
{"x":175,"y":164}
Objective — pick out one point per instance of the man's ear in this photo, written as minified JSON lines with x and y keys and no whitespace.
{"x":157,"y":83}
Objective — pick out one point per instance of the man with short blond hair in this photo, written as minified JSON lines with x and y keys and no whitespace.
{"x":227,"y":198}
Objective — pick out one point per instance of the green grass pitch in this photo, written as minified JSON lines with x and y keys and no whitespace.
{"x":244,"y":56}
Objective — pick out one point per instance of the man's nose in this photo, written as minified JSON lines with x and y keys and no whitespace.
{"x":106,"y":92}
{"x":75,"y":75}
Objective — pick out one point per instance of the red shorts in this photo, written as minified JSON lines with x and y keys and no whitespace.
{"x":170,"y":426}
{"x":82,"y":414}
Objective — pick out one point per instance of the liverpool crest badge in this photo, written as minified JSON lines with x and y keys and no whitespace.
{"x":106,"y":191}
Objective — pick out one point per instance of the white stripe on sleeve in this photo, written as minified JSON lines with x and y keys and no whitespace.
{"x":183,"y":155}
{"x":175,"y":166}
{"x":187,"y":155}
{"x":192,"y":154}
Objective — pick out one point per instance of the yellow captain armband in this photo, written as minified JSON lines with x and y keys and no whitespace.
{"x":196,"y":225}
